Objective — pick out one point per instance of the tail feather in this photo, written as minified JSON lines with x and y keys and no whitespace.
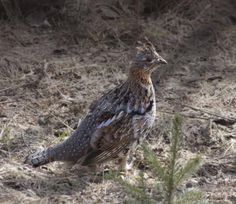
{"x":39,"y":158}
{"x":68,"y":151}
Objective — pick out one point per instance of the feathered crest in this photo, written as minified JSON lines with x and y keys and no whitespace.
{"x":146,"y":56}
{"x":145,"y":45}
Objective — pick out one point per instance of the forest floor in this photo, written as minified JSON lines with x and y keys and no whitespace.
{"x":48,"y":80}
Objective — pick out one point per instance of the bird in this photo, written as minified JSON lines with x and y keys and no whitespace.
{"x":116,"y":123}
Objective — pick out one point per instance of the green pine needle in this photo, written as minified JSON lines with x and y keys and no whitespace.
{"x":187,"y":170}
{"x":170,"y":176}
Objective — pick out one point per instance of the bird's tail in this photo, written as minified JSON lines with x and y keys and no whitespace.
{"x":68,"y":151}
{"x":39,"y":158}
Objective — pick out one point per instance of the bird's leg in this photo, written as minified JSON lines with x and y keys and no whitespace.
{"x":122,"y":161}
{"x":124,"y":165}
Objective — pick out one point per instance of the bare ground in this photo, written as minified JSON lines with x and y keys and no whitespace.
{"x":48,"y":80}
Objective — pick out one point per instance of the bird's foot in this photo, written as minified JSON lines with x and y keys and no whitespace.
{"x":124,"y":166}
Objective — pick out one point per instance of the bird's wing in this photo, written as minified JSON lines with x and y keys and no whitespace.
{"x":113,"y":134}
{"x":108,"y":100}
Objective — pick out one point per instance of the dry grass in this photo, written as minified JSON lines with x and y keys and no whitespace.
{"x":48,"y":79}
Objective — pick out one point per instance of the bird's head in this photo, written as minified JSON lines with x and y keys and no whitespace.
{"x":146,"y":58}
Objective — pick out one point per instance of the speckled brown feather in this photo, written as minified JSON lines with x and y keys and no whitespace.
{"x":115,"y":123}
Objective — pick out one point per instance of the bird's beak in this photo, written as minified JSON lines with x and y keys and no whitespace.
{"x":161,"y":60}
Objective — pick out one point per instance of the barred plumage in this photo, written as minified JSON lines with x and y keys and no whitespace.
{"x":116,"y":122}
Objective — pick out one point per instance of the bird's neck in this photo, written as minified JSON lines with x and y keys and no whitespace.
{"x":140,"y":77}
{"x":140,"y":92}
{"x":140,"y":83}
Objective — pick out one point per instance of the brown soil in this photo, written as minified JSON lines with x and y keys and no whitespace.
{"x":48,"y":80}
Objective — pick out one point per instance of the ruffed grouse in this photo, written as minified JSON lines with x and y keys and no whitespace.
{"x":116,"y":122}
